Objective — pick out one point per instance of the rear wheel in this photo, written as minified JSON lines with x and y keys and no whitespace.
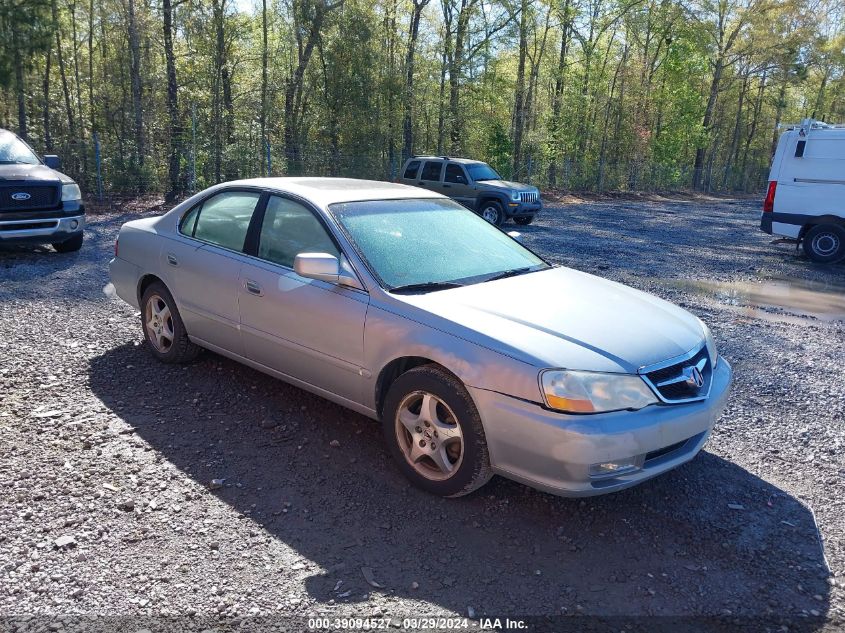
{"x":69,"y":246}
{"x":525,"y":220}
{"x":492,"y":212}
{"x":825,"y":243}
{"x":434,"y":432}
{"x":164,"y":330}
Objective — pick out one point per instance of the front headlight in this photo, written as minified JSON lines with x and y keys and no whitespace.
{"x":515,"y":196}
{"x":712,"y":352}
{"x":594,"y":392}
{"x":71,"y":192}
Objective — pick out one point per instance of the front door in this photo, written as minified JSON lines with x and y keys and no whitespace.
{"x":456,"y":185}
{"x":310,"y":330}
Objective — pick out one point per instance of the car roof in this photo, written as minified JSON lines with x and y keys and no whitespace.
{"x":452,"y":159}
{"x":326,"y":191}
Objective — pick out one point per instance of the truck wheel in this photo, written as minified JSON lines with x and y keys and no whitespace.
{"x":524,"y":220}
{"x":69,"y":246}
{"x":492,"y":212}
{"x":825,"y":243}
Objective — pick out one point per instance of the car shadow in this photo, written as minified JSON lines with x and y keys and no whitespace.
{"x":709,"y":538}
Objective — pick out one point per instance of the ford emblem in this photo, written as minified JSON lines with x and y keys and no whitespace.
{"x":21,"y":196}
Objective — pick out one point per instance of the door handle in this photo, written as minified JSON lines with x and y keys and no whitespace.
{"x":253,"y":287}
{"x":171,"y":259}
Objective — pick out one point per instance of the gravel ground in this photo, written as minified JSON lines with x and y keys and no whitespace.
{"x":111,"y":503}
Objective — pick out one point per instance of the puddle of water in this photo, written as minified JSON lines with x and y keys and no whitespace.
{"x":825,"y":302}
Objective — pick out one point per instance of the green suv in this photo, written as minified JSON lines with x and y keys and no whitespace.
{"x":475,"y":185}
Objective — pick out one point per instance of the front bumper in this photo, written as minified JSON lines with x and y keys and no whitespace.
{"x":553,"y":452}
{"x":40,"y":230}
{"x":517,"y":209}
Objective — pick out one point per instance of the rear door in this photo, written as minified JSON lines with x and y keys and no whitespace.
{"x":431,"y":175}
{"x":310,"y":330}
{"x":203,"y":270}
{"x":411,"y":173}
{"x":456,"y":185}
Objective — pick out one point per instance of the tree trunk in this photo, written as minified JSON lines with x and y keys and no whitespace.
{"x":519,"y":92}
{"x":172,"y":104}
{"x":455,"y":71}
{"x":135,"y":78}
{"x":265,"y":167}
{"x":557,"y":98}
{"x":71,"y":125}
{"x":48,"y":138}
{"x":20,"y":89}
{"x":408,"y":101}
{"x":701,"y":152}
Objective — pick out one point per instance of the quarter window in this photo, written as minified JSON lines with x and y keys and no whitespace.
{"x":224,"y":219}
{"x":289,"y":229}
{"x":455,"y":173}
{"x":412,"y":170}
{"x":431,"y":171}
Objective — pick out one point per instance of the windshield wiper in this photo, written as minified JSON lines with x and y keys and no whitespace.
{"x":513,"y":272}
{"x":428,"y":286}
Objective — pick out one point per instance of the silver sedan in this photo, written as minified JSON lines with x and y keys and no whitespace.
{"x":477,"y":356}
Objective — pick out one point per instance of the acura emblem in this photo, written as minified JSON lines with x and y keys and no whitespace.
{"x":20,"y":196}
{"x":693,"y":377}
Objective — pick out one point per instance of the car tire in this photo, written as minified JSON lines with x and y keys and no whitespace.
{"x":69,"y":246}
{"x":524,"y":220}
{"x":825,"y":243}
{"x":430,"y":421}
{"x":164,"y":330}
{"x":492,"y":212}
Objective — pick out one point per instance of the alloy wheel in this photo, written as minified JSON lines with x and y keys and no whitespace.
{"x":158,"y":322}
{"x":429,"y":436}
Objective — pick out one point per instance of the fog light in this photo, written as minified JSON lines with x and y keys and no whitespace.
{"x":613,"y":469}
{"x":74,"y":224}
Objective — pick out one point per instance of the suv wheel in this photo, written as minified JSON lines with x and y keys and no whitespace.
{"x":434,"y":432}
{"x":825,"y":243}
{"x":69,"y":246}
{"x":492,"y":212}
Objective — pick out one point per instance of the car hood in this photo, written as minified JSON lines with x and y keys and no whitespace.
{"x":564,"y":318}
{"x":42,"y":173}
{"x":507,"y":184}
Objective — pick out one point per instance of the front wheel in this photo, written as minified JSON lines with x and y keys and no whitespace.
{"x":492,"y":212}
{"x":825,"y":243}
{"x":434,"y":432}
{"x":524,"y":220}
{"x":69,"y":246}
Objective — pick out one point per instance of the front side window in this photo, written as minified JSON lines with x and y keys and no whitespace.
{"x":15,"y":151}
{"x":455,"y":173}
{"x":431,"y":171}
{"x":223,"y":219}
{"x":412,"y":169}
{"x":409,"y":242}
{"x":289,"y":229}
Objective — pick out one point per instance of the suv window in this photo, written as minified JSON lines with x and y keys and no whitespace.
{"x":431,"y":171}
{"x":223,"y":219}
{"x":289,"y":229}
{"x":412,"y":170}
{"x":455,"y":173}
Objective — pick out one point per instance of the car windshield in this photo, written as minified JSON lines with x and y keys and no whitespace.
{"x":482,"y":171}
{"x":430,"y":242}
{"x":13,"y":150}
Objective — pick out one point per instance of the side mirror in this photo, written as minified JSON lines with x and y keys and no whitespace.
{"x":52,"y":161}
{"x":320,"y":266}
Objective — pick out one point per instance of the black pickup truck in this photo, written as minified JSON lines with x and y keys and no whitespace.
{"x":38,"y":203}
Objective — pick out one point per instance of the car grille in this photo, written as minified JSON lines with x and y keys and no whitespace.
{"x":40,"y":197}
{"x":674,"y":383}
{"x":529,"y":196}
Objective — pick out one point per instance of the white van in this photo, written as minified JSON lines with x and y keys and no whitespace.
{"x":805,"y":201}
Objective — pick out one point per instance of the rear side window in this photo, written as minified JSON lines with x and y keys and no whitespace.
{"x":431,"y":171}
{"x":455,"y":173}
{"x":224,"y":219}
{"x":289,"y":229}
{"x":412,"y":169}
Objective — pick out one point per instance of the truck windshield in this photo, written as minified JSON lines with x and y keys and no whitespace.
{"x":431,"y":244}
{"x":482,"y":171}
{"x":15,"y":151}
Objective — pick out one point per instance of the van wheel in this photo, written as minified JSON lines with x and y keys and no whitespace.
{"x":825,"y":243}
